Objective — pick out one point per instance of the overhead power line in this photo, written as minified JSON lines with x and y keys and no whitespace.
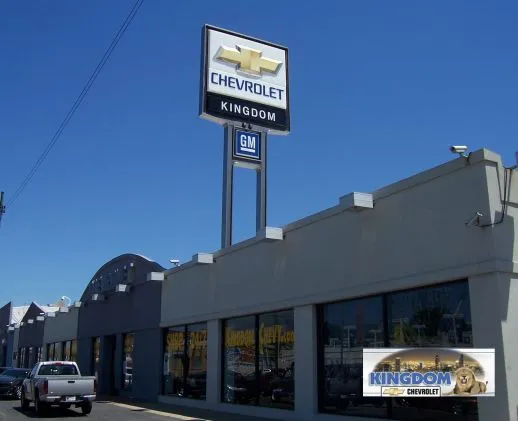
{"x":78,"y":101}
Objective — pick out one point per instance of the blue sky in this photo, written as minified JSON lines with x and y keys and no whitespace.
{"x":379,"y":90}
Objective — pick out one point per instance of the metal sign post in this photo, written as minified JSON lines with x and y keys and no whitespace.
{"x":228,"y":176}
{"x":246,"y":149}
{"x":261,"y":187}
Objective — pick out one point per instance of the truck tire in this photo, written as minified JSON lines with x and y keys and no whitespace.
{"x":86,"y":407}
{"x":40,"y":407}
{"x":24,"y":403}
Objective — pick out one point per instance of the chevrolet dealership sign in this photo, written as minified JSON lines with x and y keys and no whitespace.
{"x":244,"y":80}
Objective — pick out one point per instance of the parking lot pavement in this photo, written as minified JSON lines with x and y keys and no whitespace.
{"x":102,"y":411}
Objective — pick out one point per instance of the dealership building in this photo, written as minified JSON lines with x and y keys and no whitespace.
{"x":274,"y":326}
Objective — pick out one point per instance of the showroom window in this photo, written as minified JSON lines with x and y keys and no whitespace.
{"x":67,"y":351}
{"x":50,"y":352}
{"x":346,"y":328}
{"x":96,"y":354}
{"x":58,"y":351}
{"x":73,"y":350}
{"x":32,"y":357}
{"x":185,"y":361}
{"x":438,"y":316}
{"x":128,"y":341}
{"x":259,"y":360}
{"x":435,"y":316}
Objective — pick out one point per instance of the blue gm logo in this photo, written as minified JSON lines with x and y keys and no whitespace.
{"x":431,"y":378}
{"x":247,"y":145}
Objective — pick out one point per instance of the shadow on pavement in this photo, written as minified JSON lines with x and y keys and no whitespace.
{"x":195,"y":414}
{"x":50,"y":413}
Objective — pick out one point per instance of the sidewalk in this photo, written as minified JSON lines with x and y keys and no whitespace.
{"x":178,"y":412}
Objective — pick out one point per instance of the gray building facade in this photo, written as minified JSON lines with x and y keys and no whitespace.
{"x":118,"y":334}
{"x":30,"y":340}
{"x":60,"y":334}
{"x":286,"y":314}
{"x":275,"y":326}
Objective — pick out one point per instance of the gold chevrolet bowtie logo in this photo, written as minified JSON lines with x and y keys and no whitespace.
{"x":394,"y":391}
{"x":248,"y":60}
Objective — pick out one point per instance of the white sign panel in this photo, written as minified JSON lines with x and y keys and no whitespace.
{"x":244,"y":80}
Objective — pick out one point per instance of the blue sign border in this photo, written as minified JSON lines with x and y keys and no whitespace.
{"x":242,"y":157}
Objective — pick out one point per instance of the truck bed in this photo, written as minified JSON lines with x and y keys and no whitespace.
{"x":70,"y":385}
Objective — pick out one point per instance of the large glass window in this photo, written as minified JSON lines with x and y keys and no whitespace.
{"x":127,"y":361}
{"x":276,"y":360}
{"x":73,"y":350}
{"x":173,"y":361}
{"x":259,"y":360}
{"x":67,"y":351}
{"x":31,"y":357}
{"x":50,"y":352}
{"x":196,"y":361}
{"x":436,"y":316}
{"x":185,"y":361}
{"x":239,"y":361}
{"x":58,"y":351}
{"x":96,"y":355}
{"x":347,"y":328}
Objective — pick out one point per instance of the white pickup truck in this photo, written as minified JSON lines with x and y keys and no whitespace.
{"x":58,"y":383}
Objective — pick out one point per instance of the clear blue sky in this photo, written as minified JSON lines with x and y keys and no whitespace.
{"x":379,"y":90}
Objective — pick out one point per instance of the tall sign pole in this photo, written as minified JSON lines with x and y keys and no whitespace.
{"x":228,"y":180}
{"x":244,"y":88}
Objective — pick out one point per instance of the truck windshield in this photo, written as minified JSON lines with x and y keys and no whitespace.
{"x":58,"y":370}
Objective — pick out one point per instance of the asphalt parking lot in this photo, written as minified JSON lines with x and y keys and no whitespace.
{"x":102,"y":411}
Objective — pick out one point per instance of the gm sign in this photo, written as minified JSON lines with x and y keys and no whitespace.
{"x":244,"y":80}
{"x":247,"y":145}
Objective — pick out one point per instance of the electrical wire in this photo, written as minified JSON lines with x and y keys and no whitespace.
{"x":78,"y":101}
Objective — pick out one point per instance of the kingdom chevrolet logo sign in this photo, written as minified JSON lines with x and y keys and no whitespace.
{"x":248,"y":60}
{"x":244,"y":80}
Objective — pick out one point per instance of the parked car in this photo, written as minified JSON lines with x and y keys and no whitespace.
{"x":58,"y":383}
{"x":11,"y":382}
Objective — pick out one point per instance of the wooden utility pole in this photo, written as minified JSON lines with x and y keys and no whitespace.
{"x":2,"y":206}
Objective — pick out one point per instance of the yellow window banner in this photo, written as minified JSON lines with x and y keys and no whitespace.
{"x":198,"y":339}
{"x":268,"y":335}
{"x":239,"y":338}
{"x":275,"y":334}
{"x":175,"y":341}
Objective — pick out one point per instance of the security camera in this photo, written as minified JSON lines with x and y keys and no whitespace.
{"x":474,"y":221}
{"x":458,"y":149}
{"x":175,"y":262}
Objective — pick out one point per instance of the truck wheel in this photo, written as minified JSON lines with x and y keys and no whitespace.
{"x":86,"y":408}
{"x":39,"y":406}
{"x":24,"y":403}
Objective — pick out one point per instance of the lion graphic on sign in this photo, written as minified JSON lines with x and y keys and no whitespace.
{"x":467,"y":384}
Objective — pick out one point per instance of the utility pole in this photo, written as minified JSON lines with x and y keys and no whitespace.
{"x":2,"y":206}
